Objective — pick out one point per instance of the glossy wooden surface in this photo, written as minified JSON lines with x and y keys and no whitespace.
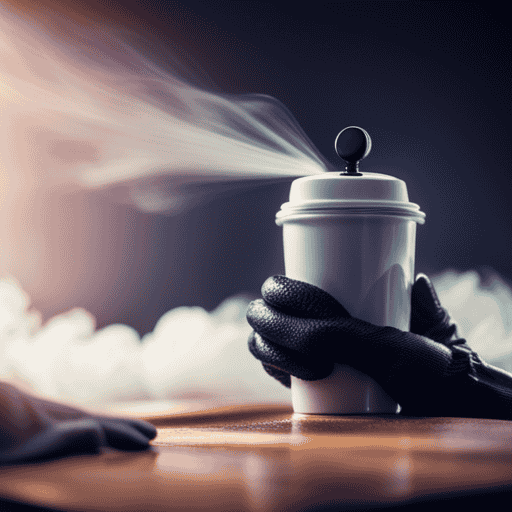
{"x":263,"y":457}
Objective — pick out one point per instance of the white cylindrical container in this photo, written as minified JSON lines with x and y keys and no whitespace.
{"x":354,"y":237}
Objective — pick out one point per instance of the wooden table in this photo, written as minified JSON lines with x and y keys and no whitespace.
{"x":265,"y":458}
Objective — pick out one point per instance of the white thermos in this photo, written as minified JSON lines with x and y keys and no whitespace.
{"x":352,"y":234}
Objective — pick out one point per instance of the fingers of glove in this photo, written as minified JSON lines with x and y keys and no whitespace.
{"x":289,"y":361}
{"x":303,"y":335}
{"x":301,"y":299}
{"x":146,"y":429}
{"x":335,"y":337}
{"x":428,"y":317}
{"x":63,"y":412}
{"x":283,"y":377}
{"x":63,"y":439}
{"x":122,"y":436}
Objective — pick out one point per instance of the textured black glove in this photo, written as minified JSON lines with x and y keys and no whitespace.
{"x":301,"y":330}
{"x":32,"y":428}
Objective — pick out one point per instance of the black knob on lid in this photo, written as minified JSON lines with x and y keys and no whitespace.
{"x":352,"y":145}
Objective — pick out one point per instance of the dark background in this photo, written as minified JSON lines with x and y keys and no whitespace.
{"x":430,"y":82}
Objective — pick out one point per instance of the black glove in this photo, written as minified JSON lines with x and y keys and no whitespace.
{"x":32,"y":428}
{"x":301,"y":330}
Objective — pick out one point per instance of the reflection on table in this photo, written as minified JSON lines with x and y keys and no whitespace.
{"x":263,"y":457}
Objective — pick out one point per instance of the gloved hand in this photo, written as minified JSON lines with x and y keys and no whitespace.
{"x":301,"y":330}
{"x":32,"y":428}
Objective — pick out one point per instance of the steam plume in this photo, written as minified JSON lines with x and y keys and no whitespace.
{"x":95,"y":112}
{"x":83,"y":109}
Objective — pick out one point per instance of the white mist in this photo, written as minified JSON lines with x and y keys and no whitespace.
{"x":192,"y":353}
{"x":87,"y":119}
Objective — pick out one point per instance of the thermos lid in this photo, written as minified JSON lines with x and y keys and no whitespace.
{"x":350,"y":192}
{"x":368,"y":186}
